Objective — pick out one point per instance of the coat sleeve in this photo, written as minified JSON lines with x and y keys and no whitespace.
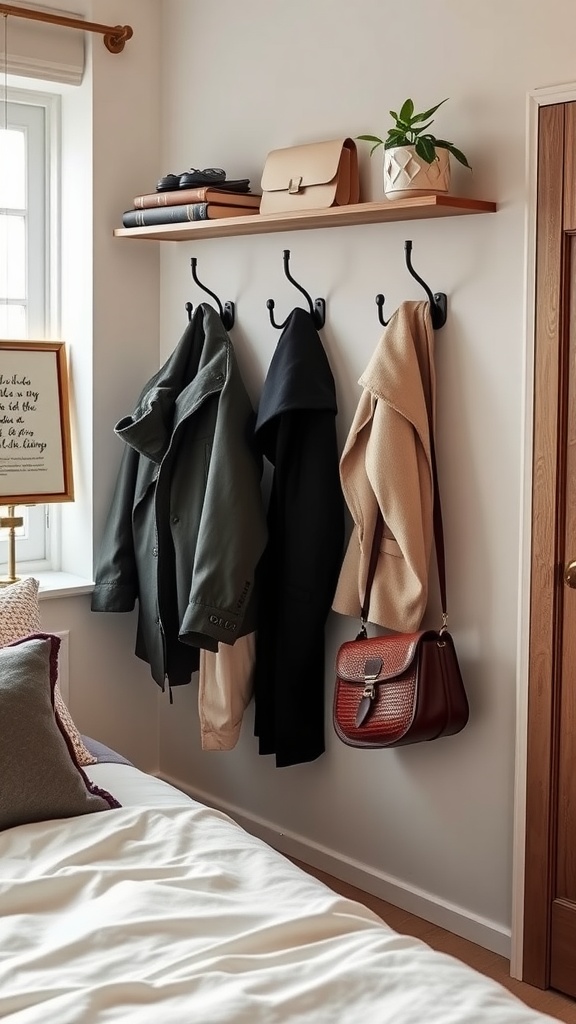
{"x":232,"y":532}
{"x":116,"y":579}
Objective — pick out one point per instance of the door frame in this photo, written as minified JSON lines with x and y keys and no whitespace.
{"x":525,"y":654}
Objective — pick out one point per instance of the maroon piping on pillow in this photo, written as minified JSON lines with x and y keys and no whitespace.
{"x":54,"y":649}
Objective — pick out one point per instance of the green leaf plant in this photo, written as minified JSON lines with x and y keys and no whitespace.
{"x":409,"y":129}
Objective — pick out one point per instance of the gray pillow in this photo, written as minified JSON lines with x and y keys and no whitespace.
{"x":40,"y":777}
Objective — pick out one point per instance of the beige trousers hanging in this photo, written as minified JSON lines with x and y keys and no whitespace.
{"x":224,"y":691}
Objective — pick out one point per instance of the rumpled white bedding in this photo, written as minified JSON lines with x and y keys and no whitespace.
{"x":167,"y":912}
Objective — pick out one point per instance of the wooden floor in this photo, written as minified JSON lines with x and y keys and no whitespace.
{"x":481,"y":959}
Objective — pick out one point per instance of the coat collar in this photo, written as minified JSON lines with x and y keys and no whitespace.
{"x":299,"y":376}
{"x":401,"y":370}
{"x":198,"y":366}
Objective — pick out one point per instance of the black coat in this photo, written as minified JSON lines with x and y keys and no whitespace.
{"x":296,"y":431}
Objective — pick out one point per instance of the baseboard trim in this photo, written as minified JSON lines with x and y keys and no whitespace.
{"x":440,"y":912}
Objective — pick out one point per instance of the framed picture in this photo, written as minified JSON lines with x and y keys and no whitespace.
{"x":35,"y":448}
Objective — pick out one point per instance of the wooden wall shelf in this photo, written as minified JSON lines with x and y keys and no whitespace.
{"x":336,"y":216}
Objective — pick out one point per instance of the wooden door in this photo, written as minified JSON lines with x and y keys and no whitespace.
{"x":550,"y":880}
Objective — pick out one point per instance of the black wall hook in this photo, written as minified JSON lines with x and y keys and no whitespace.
{"x":438,"y":301}
{"x":380,"y":300}
{"x":317,"y":308}
{"x":227,"y":311}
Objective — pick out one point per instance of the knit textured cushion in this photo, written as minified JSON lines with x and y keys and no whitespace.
{"x":19,"y":611}
{"x":40,"y":778}
{"x":19,"y":617}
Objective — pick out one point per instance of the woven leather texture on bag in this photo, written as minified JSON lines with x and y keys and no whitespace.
{"x":390,"y":716}
{"x":396,"y":651}
{"x":392,"y":709}
{"x":425,"y":701}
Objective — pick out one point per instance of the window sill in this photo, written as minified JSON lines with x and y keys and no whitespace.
{"x":61,"y":584}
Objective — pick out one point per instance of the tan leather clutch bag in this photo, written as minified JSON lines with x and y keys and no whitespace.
{"x":310,"y":177}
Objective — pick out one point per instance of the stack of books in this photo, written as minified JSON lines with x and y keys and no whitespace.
{"x":207,"y":202}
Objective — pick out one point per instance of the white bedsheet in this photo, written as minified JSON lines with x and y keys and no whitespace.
{"x":167,"y":912}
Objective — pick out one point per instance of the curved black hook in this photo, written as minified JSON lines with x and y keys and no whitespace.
{"x":317,"y":308}
{"x":227,"y":312}
{"x":438,"y":302}
{"x":380,"y":300}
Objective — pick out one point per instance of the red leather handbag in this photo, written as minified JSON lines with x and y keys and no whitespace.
{"x":403,"y":687}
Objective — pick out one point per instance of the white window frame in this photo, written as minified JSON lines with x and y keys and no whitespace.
{"x":37,"y":542}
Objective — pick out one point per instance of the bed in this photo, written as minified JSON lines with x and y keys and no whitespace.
{"x":123,"y":901}
{"x":166,"y":911}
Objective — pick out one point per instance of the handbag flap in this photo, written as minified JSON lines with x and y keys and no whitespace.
{"x":357,"y":659}
{"x":301,"y":166}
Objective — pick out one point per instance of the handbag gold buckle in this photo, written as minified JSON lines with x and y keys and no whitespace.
{"x":295,"y":185}
{"x":372,"y":670}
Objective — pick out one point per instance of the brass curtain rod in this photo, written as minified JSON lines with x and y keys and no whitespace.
{"x":114,"y":35}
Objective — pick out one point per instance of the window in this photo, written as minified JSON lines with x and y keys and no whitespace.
{"x":27,"y":266}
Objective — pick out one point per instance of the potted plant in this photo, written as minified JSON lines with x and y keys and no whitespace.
{"x":416,"y":163}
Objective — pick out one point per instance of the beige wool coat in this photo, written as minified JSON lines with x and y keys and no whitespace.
{"x":386,"y":463}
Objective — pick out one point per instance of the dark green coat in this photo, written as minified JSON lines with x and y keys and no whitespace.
{"x":186,"y":527}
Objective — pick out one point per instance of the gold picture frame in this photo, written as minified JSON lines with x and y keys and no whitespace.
{"x":35,"y":440}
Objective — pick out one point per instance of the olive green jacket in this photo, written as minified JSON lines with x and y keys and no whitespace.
{"x":187,"y":526}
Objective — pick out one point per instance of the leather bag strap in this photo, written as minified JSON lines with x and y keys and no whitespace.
{"x":376,"y":541}
{"x":438,"y":530}
{"x":438,"y":540}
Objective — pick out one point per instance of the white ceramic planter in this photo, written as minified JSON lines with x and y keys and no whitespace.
{"x":407,"y":175}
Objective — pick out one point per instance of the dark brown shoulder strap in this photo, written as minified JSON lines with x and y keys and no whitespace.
{"x":438,"y":529}
{"x":376,"y":541}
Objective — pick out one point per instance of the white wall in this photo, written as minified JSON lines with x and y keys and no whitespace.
{"x":429,"y":825}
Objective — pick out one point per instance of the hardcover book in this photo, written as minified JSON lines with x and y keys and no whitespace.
{"x":182,"y":213}
{"x":205,"y":194}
